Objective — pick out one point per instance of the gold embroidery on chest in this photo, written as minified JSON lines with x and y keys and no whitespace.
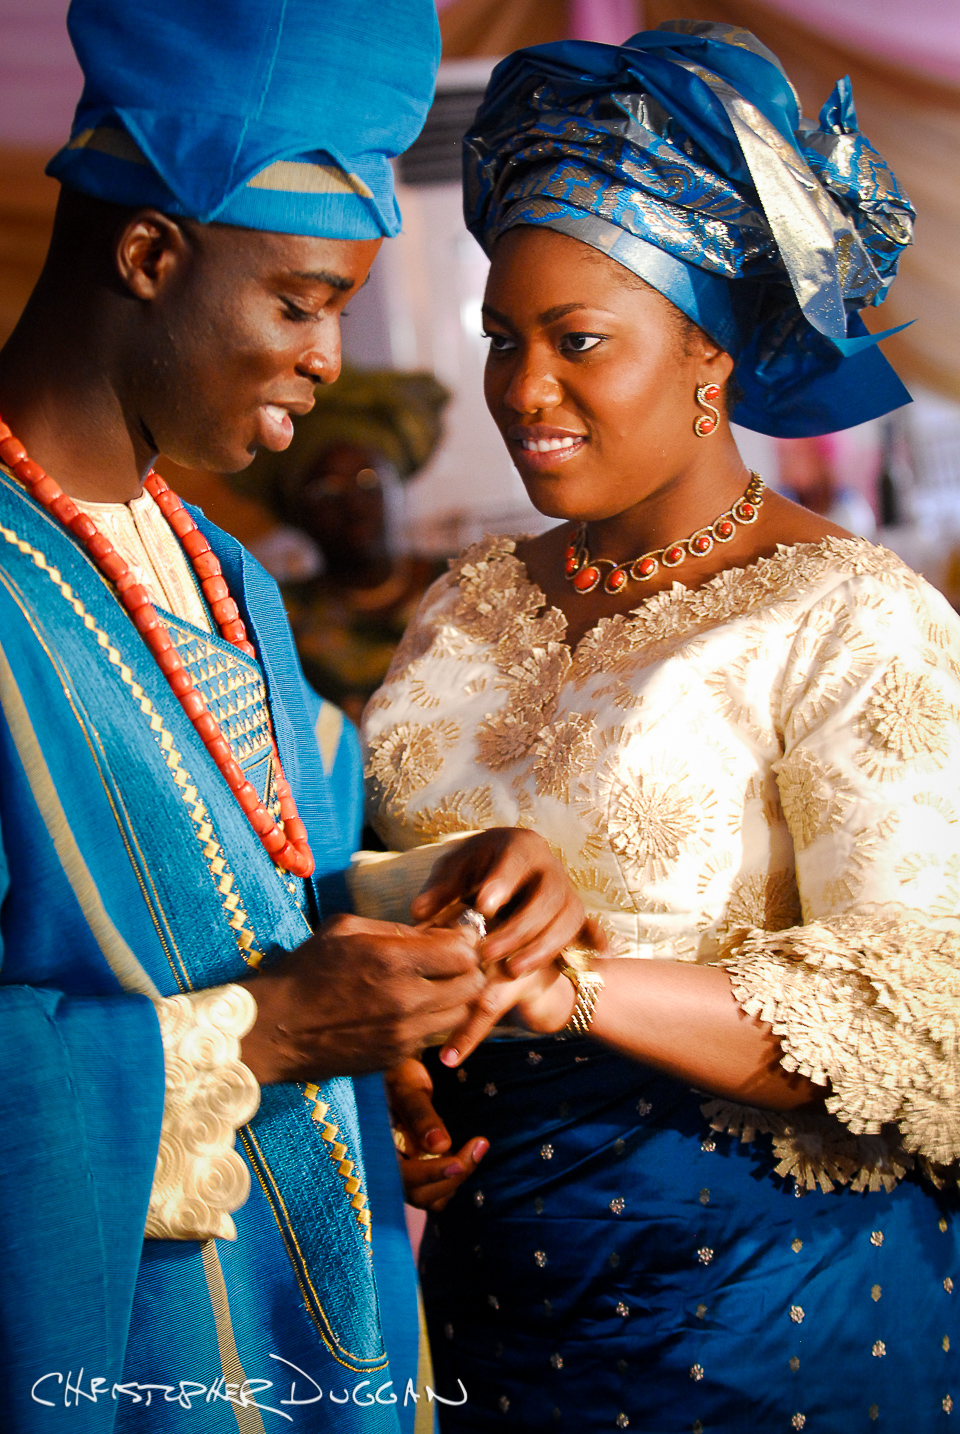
{"x":407,"y":757}
{"x":460,"y":812}
{"x":564,"y":752}
{"x":654,"y":817}
{"x":533,"y":685}
{"x":815,"y":796}
{"x":906,"y":721}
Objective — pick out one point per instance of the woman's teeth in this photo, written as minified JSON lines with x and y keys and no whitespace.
{"x":546,"y":445}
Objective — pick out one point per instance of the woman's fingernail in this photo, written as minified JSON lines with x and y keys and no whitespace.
{"x":433,"y":1139}
{"x":449,"y":1055}
{"x":479,"y":1150}
{"x":454,"y":1168}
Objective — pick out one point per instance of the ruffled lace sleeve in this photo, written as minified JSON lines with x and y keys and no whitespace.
{"x":200,"y":1178}
{"x":865,"y":996}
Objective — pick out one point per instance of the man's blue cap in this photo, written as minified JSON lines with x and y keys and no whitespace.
{"x":269,"y":114}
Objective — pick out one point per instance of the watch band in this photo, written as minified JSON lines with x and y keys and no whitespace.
{"x":588,"y":984}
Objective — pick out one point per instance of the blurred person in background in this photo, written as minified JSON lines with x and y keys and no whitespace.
{"x":808,"y":474}
{"x":339,"y":485}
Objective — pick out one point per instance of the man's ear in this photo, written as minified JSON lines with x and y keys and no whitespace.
{"x":150,"y":249}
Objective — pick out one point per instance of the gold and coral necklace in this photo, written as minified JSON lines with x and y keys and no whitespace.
{"x":585,"y":572}
{"x":286,"y":840}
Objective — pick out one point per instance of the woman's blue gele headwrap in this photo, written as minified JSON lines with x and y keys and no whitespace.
{"x":683,"y":155}
{"x":269,"y":114}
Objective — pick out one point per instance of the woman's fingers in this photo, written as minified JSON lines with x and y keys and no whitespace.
{"x":498,"y":997}
{"x":429,"y":1184}
{"x":546,"y":945}
{"x":409,"y":1093}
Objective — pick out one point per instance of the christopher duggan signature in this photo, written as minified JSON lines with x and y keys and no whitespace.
{"x":72,"y":1391}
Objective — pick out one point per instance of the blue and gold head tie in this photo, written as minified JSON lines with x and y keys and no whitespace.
{"x":683,"y":156}
{"x":269,"y":114}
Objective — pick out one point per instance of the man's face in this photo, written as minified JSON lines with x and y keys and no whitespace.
{"x":238,"y":329}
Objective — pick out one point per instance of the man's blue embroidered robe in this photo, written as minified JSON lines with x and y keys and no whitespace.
{"x":127,"y":869}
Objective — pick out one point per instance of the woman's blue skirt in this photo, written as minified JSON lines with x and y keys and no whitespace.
{"x":615,"y":1264}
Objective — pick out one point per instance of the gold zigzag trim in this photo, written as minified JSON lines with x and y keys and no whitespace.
{"x":237,"y":917}
{"x":338,"y":1154}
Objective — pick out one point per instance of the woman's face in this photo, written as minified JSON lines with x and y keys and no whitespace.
{"x":590,"y":376}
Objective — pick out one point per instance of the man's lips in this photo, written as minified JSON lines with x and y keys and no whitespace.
{"x":276,"y":424}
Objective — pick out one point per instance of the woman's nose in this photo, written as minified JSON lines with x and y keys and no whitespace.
{"x":532,"y":387}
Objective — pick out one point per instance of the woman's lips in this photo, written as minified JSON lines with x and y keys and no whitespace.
{"x":276,"y":427}
{"x":541,"y":452}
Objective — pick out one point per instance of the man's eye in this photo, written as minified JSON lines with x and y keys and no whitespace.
{"x":293,"y":311}
{"x":581,"y":343}
{"x":499,"y":343}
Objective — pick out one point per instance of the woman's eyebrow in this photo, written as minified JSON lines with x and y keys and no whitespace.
{"x":548,"y":316}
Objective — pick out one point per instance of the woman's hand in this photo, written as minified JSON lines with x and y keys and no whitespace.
{"x":431,"y":1176}
{"x":543,"y":1001}
{"x":508,"y":867}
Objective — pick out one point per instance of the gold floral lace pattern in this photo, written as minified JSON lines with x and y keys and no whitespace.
{"x":779,"y":745}
{"x":906,"y":721}
{"x":868,"y":1003}
{"x":200,"y":1178}
{"x":408,"y":757}
{"x":814,"y":795}
{"x":814,"y":1148}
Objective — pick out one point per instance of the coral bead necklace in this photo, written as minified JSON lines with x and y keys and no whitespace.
{"x":286,"y":840}
{"x":585,"y":572}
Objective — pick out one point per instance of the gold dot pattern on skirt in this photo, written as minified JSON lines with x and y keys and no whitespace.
{"x":879,"y":1349}
{"x":874,"y":1411}
{"x":948,"y":1285}
{"x":945,"y":1342}
{"x":797,"y":1246}
{"x":796,"y":1314}
{"x":794,"y":1364}
{"x":704,"y":1196}
{"x":696,"y":1372}
{"x":875,"y":1293}
{"x":877,"y":1238}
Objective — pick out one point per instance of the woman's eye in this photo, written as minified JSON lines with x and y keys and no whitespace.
{"x":499,"y":343}
{"x":581,"y":343}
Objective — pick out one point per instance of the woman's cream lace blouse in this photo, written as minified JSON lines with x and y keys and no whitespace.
{"x":765,"y":770}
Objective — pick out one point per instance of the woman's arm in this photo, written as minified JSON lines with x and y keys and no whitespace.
{"x":681,"y":1019}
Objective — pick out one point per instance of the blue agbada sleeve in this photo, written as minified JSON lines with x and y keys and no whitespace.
{"x":81,"y":1101}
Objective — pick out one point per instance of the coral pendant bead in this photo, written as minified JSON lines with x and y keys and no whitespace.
{"x":586,"y":579}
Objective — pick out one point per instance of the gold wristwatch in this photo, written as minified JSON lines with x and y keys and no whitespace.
{"x":575,"y":962}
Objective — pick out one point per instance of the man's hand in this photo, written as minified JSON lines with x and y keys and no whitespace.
{"x":508,"y":866}
{"x":430,"y":1174}
{"x":359,"y":996}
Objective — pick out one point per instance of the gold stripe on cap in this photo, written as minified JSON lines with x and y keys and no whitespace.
{"x":299,"y":176}
{"x":108,"y":140}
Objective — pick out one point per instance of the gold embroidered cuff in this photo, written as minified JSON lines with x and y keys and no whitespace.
{"x":210,"y":1093}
